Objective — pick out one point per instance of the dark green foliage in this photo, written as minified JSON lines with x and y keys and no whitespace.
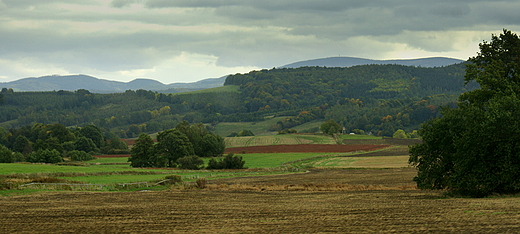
{"x":383,"y":90}
{"x":22,"y":145}
{"x":205,"y":143}
{"x":76,"y":155}
{"x":44,"y":156}
{"x":330,"y":127}
{"x":143,"y":153}
{"x":287,"y":131}
{"x":171,"y":145}
{"x":49,"y":143}
{"x":245,"y":133}
{"x":117,"y":143}
{"x":212,"y":145}
{"x":231,"y":161}
{"x":192,"y":162}
{"x":474,"y":149}
{"x":60,"y":132}
{"x":6,"y":155}
{"x":94,"y":133}
{"x":85,"y":144}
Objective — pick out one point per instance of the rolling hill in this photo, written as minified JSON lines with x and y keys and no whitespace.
{"x":351,"y":61}
{"x":96,"y":85}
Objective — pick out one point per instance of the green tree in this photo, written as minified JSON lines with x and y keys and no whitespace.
{"x":143,"y":153}
{"x":45,"y":156}
{"x":94,"y":133}
{"x":330,"y":127}
{"x":400,"y":133}
{"x":85,"y":144}
{"x":6,"y":155}
{"x":212,"y":145}
{"x":474,"y":149}
{"x":62,"y":133}
{"x":171,"y":145}
{"x":22,"y":145}
{"x":117,"y":143}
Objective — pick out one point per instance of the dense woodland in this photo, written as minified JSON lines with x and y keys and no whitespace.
{"x":377,"y":99}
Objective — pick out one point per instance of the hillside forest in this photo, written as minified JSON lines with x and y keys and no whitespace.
{"x":370,"y":99}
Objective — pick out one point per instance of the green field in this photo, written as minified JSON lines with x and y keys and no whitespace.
{"x":285,"y":139}
{"x":221,"y":89}
{"x":112,"y":171}
{"x":258,"y":128}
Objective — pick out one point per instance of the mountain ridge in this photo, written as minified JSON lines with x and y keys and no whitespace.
{"x":353,"y":61}
{"x":97,"y":85}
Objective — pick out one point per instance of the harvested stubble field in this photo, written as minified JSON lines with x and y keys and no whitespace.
{"x":378,"y":200}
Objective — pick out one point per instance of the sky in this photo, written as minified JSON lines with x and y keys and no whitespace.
{"x":189,"y":40}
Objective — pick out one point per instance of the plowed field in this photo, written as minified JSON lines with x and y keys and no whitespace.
{"x":305,"y":148}
{"x":383,"y":208}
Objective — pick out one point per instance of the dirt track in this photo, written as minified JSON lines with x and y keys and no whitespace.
{"x":244,"y":211}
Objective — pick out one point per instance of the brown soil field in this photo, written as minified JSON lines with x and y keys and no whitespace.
{"x":266,"y":205}
{"x":304,"y":148}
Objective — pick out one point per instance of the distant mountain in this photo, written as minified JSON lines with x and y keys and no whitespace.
{"x":96,"y":85}
{"x":351,"y":61}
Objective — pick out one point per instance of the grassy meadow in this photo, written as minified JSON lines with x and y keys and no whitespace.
{"x":110,"y":171}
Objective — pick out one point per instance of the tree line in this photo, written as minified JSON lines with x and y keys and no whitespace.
{"x":183,"y":147}
{"x":374,"y":98}
{"x":51,"y":143}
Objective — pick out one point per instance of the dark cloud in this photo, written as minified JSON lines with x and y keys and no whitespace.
{"x":121,"y":35}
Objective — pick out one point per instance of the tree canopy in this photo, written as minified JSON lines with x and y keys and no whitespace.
{"x":475,"y":149}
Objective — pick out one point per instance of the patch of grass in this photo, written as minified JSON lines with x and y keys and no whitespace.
{"x":285,"y":139}
{"x":272,"y":160}
{"x":340,"y":161}
{"x":111,"y":179}
{"x":258,"y":128}
{"x":28,"y":168}
{"x":108,"y":160}
{"x":221,"y":89}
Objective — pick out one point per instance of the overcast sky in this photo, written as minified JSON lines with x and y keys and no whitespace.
{"x":189,"y":40}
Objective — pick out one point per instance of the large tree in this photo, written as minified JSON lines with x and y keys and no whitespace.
{"x":143,"y":153}
{"x":171,"y":145}
{"x":475,"y":149}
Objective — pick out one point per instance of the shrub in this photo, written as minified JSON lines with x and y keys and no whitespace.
{"x":77,"y":155}
{"x":45,"y":156}
{"x":245,"y":133}
{"x":190,"y":162}
{"x":229,"y":162}
{"x":201,"y":183}
{"x":6,"y":155}
{"x":171,"y":179}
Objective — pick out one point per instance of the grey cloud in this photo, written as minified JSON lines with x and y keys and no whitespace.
{"x":122,"y":3}
{"x":239,"y":32}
